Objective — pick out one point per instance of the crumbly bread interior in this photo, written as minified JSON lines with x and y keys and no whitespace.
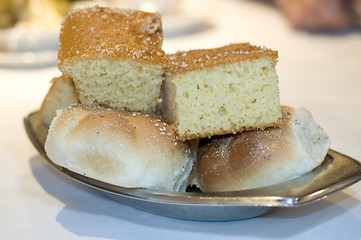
{"x":220,"y":91}
{"x":60,"y":95}
{"x":114,"y":56}
{"x":260,"y":158}
{"x":119,"y":84}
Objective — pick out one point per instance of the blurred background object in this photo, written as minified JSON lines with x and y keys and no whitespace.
{"x":32,"y":14}
{"x":321,"y":14}
{"x":11,"y":11}
{"x":29,"y":31}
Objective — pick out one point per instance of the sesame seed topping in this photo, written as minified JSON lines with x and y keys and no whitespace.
{"x":184,"y":64}
{"x":129,"y":29}
{"x":172,"y":57}
{"x":195,"y":59}
{"x":263,"y":49}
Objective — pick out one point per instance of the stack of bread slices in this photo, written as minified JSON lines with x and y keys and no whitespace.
{"x":127,"y":113}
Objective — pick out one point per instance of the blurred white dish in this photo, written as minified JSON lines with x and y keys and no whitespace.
{"x":178,"y":25}
{"x":28,"y":59}
{"x":23,"y":40}
{"x":28,"y":48}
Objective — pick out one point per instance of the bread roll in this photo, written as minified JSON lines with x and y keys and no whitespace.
{"x":60,"y":96}
{"x":262,"y":157}
{"x":125,"y":149}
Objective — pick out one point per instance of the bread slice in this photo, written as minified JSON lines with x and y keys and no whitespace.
{"x":121,"y":148}
{"x":60,"y":96}
{"x":260,"y":158}
{"x":114,"y":56}
{"x":222,"y":90}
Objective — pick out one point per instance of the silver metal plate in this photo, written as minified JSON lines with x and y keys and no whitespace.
{"x":335,"y":173}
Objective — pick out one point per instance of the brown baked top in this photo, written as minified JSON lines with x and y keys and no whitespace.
{"x":110,"y":33}
{"x":183,"y":61}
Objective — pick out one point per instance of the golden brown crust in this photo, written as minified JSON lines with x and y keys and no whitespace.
{"x":231,"y":159}
{"x":110,"y":33}
{"x":184,"y":61}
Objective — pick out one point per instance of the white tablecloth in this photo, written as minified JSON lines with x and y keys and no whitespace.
{"x":321,"y":72}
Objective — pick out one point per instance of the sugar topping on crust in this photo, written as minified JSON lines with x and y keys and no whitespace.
{"x":103,"y":33}
{"x":183,"y":61}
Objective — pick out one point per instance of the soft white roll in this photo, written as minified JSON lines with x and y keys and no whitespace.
{"x":262,"y":157}
{"x":125,"y":149}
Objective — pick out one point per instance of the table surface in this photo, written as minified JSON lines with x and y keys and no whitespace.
{"x":318,"y":71}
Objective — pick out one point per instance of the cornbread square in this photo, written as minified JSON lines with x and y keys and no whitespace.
{"x":60,"y":96}
{"x":222,"y":90}
{"x":114,"y":56}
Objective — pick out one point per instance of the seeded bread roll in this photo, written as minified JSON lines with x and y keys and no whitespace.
{"x":118,"y":147}
{"x":262,"y":157}
{"x":114,"y":56}
{"x":222,"y":90}
{"x":60,"y":96}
